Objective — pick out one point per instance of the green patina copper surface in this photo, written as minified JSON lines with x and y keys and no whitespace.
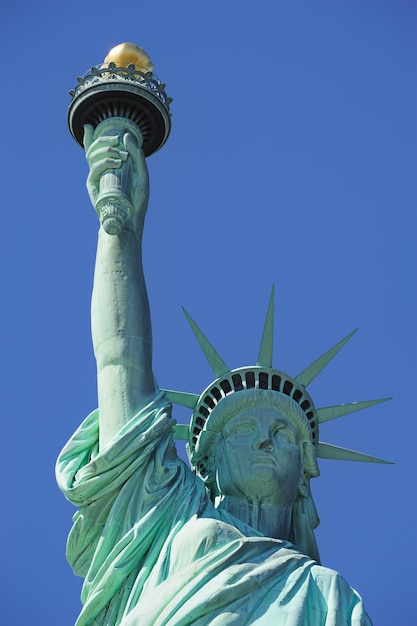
{"x":232,"y":542}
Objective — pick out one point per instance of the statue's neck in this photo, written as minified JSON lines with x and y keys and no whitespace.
{"x":270,"y":519}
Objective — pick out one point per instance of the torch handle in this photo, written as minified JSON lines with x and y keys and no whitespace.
{"x":113,"y":204}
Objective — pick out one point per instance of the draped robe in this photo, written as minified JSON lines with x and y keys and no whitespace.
{"x":154,"y":551}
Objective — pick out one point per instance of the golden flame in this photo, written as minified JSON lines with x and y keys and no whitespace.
{"x":126,"y":53}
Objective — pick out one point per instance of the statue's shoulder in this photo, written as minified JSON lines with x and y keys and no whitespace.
{"x":339,"y":595}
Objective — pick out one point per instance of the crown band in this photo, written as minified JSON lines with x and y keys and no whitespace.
{"x":245,"y":378}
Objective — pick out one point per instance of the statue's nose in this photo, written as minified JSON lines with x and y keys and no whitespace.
{"x":265,"y":444}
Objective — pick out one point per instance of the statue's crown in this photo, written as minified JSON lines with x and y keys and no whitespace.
{"x":264,"y":377}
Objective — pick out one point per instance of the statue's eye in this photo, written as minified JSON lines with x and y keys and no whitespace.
{"x":244,"y":428}
{"x":284,"y":433}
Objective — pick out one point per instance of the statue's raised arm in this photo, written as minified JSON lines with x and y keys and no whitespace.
{"x":121,"y":325}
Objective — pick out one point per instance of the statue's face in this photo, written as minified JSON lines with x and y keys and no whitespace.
{"x":258,"y":458}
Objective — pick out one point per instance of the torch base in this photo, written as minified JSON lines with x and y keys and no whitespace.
{"x":119,"y":98}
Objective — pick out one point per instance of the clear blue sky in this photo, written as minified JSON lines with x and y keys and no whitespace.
{"x":291,"y":161}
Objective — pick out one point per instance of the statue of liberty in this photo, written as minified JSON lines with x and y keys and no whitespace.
{"x":228,"y":540}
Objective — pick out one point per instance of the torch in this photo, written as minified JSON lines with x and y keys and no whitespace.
{"x":120,"y":95}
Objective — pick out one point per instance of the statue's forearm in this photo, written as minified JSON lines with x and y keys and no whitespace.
{"x":121,"y":329}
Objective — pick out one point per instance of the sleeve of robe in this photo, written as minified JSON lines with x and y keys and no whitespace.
{"x":131,"y":496}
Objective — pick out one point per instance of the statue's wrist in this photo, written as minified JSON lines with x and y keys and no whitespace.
{"x":132,"y":231}
{"x":129,"y":232}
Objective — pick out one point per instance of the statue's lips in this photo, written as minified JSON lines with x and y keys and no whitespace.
{"x":264,"y":458}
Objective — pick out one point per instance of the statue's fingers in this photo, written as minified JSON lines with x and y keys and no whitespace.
{"x":131,"y":144}
{"x":107,"y":152}
{"x":97,"y":169}
{"x":102,"y":142}
{"x":135,"y":152}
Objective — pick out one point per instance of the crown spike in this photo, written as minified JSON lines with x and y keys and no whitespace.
{"x":181,"y":397}
{"x":335,"y":453}
{"x":265,"y":350}
{"x":307,"y":375}
{"x":332,"y":412}
{"x":216,"y":363}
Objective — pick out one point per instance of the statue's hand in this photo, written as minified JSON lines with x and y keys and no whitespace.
{"x":139,"y":192}
{"x":110,"y":152}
